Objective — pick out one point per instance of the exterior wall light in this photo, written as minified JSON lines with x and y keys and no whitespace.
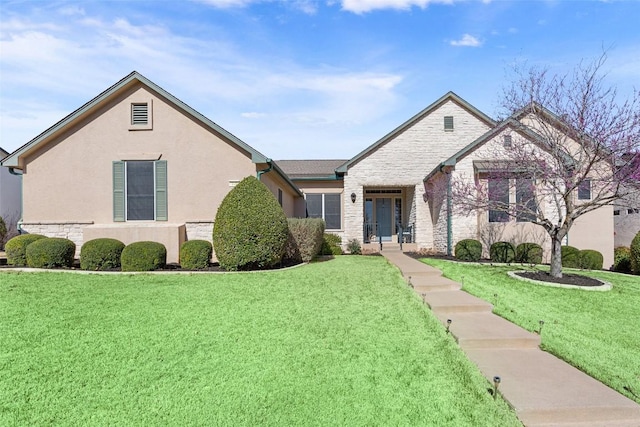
{"x":353,"y":197}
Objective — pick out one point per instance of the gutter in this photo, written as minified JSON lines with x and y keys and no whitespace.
{"x":263,"y":171}
{"x":449,"y":213}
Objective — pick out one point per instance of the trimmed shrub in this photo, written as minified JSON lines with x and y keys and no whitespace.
{"x":51,"y":253}
{"x":634,"y":254}
{"x":16,"y":248}
{"x":570,"y":256}
{"x":305,"y":239}
{"x":331,"y":244}
{"x":502,"y":252}
{"x":250,"y":230}
{"x":143,"y":256}
{"x":529,"y":253}
{"x":195,"y":254}
{"x":354,"y":247}
{"x":468,"y":250}
{"x":101,"y":254}
{"x":590,"y":259}
{"x":622,"y":259}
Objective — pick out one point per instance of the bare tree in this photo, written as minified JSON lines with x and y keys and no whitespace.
{"x":570,"y":152}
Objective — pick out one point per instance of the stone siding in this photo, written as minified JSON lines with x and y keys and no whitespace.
{"x":404,"y":161}
{"x":66,"y":230}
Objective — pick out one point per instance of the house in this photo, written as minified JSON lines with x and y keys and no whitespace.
{"x":136,"y":163}
{"x":10,"y":195}
{"x":387,"y":190}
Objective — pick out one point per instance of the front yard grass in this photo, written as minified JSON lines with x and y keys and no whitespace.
{"x":598,"y":332}
{"x":343,"y":342}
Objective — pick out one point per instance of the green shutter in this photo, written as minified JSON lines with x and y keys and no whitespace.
{"x":161,"y":190}
{"x":118,"y":191}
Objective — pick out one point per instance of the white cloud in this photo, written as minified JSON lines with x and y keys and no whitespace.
{"x":467,"y":40}
{"x":363,"y":6}
{"x":51,"y":67}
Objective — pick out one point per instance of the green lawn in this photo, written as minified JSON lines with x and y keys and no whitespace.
{"x":598,"y":332}
{"x":343,"y":342}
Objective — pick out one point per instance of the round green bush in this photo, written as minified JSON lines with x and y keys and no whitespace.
{"x":570,"y":256}
{"x":51,"y":253}
{"x":634,"y":252}
{"x":143,"y":256}
{"x":529,"y":253}
{"x":195,"y":254}
{"x":331,"y":244}
{"x":250,"y":230}
{"x":101,"y":254}
{"x":468,"y":250}
{"x":590,"y":259}
{"x":502,"y":252}
{"x":16,"y":248}
{"x":622,"y":259}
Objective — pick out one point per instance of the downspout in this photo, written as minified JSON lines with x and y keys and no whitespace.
{"x":270,"y":163}
{"x":12,"y":171}
{"x":449,"y":215}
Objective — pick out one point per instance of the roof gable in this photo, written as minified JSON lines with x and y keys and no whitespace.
{"x":449,"y":96}
{"x":134,"y":77}
{"x":509,"y":123}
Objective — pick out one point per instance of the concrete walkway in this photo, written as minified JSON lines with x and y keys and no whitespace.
{"x":543,"y":390}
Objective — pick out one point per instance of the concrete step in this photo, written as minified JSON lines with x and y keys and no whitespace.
{"x":448,"y":302}
{"x":545,"y":391}
{"x":486,"y":330}
{"x":440,"y":286}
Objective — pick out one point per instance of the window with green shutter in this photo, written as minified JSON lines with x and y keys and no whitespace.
{"x":140,"y":190}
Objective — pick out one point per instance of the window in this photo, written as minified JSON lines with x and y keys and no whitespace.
{"x":525,"y":200}
{"x":499,"y":199}
{"x":140,"y":190}
{"x":584,"y":190}
{"x":326,"y":206}
{"x":616,"y":212}
{"x":448,"y":123}
{"x":280,"y":196}
{"x":507,"y":141}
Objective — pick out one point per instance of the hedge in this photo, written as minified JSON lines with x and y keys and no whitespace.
{"x":502,"y":252}
{"x":101,"y":254}
{"x":143,"y":256}
{"x":195,"y":254}
{"x":634,"y":254}
{"x":570,"y":256}
{"x":589,"y":259}
{"x":250,"y":229}
{"x":331,"y":244}
{"x":622,"y":259}
{"x":529,"y":253}
{"x":305,"y":239}
{"x":51,"y":252}
{"x":468,"y":250}
{"x":16,"y":248}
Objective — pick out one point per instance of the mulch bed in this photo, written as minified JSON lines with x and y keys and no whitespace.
{"x":542,"y":276}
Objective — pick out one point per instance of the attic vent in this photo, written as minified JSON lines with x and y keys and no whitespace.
{"x":448,"y":123}
{"x":507,"y":141}
{"x":140,"y":114}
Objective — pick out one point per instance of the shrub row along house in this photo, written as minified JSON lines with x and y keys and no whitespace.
{"x":135,"y":163}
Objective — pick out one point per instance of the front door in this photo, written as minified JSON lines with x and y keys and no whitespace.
{"x":383,"y":218}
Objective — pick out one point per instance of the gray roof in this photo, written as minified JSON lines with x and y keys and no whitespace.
{"x":310,"y":169}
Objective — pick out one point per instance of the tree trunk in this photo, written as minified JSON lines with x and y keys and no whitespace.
{"x":556,"y":256}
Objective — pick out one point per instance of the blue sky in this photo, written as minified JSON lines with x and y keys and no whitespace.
{"x":301,"y":78}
